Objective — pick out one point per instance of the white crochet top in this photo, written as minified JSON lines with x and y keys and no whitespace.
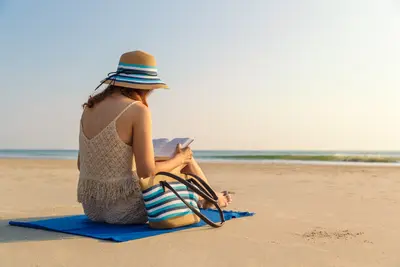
{"x":108,"y":184}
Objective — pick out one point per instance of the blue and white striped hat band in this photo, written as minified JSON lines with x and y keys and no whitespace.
{"x":136,"y":70}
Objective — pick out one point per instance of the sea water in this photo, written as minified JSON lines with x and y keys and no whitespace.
{"x":280,"y":156}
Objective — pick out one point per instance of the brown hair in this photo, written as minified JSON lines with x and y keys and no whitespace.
{"x":135,"y":94}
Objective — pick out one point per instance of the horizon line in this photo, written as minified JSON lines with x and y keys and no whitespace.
{"x":259,"y":150}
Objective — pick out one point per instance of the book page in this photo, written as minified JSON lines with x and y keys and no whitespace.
{"x":158,"y":144}
{"x":168,"y":149}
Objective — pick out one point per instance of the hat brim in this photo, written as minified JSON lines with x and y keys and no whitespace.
{"x":140,"y":86}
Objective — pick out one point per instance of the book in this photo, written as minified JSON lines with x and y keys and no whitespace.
{"x":165,"y":148}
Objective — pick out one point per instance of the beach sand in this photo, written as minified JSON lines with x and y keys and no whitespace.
{"x":305,"y":216}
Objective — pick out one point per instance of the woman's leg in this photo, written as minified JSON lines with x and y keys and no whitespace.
{"x":194,"y":168}
{"x":224,"y":198}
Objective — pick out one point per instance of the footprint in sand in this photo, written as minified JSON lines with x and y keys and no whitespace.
{"x":320,"y":233}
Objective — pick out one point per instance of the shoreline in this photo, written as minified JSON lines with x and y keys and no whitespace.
{"x":359,"y":158}
{"x":275,"y":163}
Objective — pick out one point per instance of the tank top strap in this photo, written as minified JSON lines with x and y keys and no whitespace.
{"x":125,"y":109}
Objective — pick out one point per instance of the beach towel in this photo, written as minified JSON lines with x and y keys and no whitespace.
{"x":80,"y":225}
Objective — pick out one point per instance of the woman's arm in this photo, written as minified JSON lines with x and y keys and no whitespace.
{"x":180,"y":160}
{"x":170,"y":164}
{"x":143,"y":147}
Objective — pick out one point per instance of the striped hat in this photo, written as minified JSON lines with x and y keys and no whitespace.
{"x":137,"y":70}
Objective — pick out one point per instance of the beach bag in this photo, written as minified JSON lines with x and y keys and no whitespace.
{"x":171,"y":200}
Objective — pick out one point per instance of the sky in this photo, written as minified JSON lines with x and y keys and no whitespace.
{"x":254,"y":75}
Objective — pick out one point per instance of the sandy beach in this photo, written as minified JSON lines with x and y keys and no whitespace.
{"x":305,"y":216}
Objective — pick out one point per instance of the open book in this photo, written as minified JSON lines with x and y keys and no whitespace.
{"x":165,"y":148}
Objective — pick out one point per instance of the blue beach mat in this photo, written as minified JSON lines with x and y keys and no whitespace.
{"x":82,"y":226}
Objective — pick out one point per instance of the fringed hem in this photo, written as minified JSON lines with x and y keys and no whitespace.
{"x":106,"y":192}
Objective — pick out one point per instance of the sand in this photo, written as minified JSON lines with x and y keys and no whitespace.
{"x":306,"y":216}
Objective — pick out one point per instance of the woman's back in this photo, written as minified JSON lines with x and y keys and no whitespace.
{"x":105,"y":141}
{"x":111,"y":109}
{"x":108,"y":184}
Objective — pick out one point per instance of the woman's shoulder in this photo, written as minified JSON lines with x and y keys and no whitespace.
{"x":134,"y":111}
{"x":124,"y":105}
{"x":139,"y":110}
{"x":119,"y":107}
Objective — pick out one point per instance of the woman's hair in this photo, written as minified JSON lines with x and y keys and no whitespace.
{"x":135,"y":94}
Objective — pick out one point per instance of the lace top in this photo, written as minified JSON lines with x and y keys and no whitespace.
{"x":106,"y":165}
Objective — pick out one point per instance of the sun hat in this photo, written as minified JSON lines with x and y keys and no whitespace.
{"x":137,"y":70}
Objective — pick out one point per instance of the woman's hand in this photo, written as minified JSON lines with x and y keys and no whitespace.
{"x":184,"y":154}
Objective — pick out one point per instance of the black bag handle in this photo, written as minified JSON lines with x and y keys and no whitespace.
{"x":206,"y":188}
{"x":197,"y":191}
{"x":197,"y":212}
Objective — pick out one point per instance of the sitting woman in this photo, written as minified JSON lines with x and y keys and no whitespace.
{"x":116,"y":148}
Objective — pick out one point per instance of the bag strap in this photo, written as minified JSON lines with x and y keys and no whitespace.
{"x":199,"y":192}
{"x":196,"y":211}
{"x":206,"y":188}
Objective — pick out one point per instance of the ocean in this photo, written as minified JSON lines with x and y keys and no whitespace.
{"x":279,"y":156}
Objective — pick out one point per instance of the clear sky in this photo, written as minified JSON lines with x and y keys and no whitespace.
{"x":267,"y":74}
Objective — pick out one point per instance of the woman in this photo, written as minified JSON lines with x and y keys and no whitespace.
{"x":115,"y":145}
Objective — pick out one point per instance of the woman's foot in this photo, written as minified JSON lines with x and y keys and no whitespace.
{"x":224,"y":199}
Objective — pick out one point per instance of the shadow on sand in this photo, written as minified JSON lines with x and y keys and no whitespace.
{"x":9,"y":233}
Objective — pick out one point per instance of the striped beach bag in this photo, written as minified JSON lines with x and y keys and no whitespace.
{"x":171,"y":200}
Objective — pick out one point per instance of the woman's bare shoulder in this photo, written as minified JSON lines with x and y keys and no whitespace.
{"x":139,"y":111}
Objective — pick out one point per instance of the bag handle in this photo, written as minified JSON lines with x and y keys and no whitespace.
{"x":203,"y":185}
{"x":199,"y":192}
{"x":197,"y":212}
